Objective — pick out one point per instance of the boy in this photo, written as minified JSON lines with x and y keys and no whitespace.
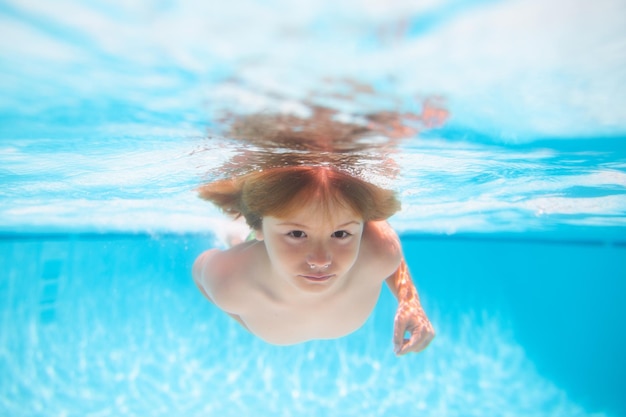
{"x":321,"y":253}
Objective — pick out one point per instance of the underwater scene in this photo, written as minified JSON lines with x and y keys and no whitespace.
{"x":486,"y":137}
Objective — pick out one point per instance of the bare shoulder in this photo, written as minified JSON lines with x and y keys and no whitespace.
{"x":221,"y":275}
{"x":381,"y":249}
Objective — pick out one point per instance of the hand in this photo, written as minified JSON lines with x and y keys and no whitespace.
{"x":410,"y":317}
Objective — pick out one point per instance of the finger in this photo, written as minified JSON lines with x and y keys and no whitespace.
{"x":402,"y":351}
{"x":400,"y":347}
{"x":417,"y":345}
{"x":398,"y":335}
{"x":405,"y":348}
{"x":419,"y":341}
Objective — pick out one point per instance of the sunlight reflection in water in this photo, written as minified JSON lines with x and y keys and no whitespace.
{"x":135,"y":339}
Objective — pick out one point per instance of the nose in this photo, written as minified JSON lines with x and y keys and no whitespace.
{"x":319,"y":257}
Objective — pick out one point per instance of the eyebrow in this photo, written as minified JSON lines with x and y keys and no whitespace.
{"x":304,"y":227}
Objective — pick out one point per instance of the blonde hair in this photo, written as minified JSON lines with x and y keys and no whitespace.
{"x":280,"y":191}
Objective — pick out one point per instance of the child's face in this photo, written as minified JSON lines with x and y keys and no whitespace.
{"x":311,"y":250}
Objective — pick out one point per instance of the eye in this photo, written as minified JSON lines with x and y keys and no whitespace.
{"x":297,"y":234}
{"x":341,"y":234}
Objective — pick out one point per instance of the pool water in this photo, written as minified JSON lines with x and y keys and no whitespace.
{"x":513,"y":220}
{"x":112,"y":325}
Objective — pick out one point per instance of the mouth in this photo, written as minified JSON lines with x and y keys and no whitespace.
{"x":318,"y":278}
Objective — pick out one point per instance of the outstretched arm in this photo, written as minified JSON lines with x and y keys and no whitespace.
{"x":410,"y":315}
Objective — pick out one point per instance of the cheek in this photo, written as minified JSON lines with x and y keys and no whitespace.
{"x":283,"y":253}
{"x":348,"y":254}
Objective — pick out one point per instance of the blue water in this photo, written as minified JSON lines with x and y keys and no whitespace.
{"x":112,"y":325}
{"x":513,"y":220}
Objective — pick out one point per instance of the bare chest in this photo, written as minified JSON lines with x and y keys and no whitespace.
{"x":334,"y":317}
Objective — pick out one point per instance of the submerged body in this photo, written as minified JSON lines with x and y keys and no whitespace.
{"x":310,"y":303}
{"x":315,"y":273}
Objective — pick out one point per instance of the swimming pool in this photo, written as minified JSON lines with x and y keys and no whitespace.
{"x":512,"y":223}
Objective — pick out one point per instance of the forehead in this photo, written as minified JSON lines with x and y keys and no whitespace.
{"x":319,"y":211}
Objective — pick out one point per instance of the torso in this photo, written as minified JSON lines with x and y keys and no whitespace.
{"x":333,"y":317}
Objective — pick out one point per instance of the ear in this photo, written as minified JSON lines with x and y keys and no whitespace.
{"x":258,"y":234}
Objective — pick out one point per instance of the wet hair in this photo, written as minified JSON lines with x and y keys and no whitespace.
{"x":278,"y":192}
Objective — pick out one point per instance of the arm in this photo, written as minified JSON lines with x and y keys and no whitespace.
{"x":410,"y":316}
{"x":203,"y":280}
{"x":198,"y":271}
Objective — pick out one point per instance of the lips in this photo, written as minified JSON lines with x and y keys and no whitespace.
{"x":318,"y":278}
